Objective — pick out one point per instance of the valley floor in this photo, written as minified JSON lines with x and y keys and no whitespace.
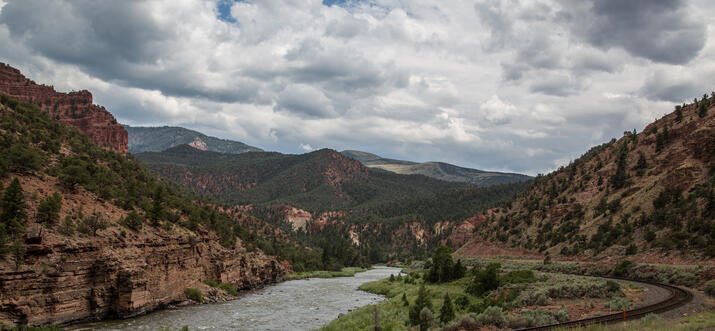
{"x":548,"y":298}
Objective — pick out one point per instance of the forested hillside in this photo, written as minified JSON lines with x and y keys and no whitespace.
{"x":643,"y":195}
{"x":386,"y":215}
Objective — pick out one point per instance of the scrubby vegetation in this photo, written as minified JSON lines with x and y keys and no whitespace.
{"x":230,"y":289}
{"x":504,"y":292}
{"x":194,"y":294}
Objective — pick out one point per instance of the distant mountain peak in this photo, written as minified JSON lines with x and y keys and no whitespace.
{"x":157,"y":139}
{"x":438,"y":170}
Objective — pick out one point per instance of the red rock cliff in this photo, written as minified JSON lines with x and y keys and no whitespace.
{"x":74,"y":108}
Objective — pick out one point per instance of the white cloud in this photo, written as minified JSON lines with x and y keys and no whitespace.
{"x":508,"y":86}
{"x":307,"y":147}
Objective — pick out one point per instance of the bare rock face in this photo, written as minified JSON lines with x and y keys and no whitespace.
{"x":112,"y":276}
{"x":74,"y":108}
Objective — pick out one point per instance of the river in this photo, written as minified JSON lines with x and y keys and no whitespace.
{"x":304,"y":304}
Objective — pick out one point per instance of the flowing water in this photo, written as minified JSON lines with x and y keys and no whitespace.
{"x":293,"y":305}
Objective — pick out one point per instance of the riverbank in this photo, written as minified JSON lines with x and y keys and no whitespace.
{"x":344,"y":272}
{"x":305,"y":304}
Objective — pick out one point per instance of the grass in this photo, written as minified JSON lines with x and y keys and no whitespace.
{"x":344,"y":272}
{"x":699,"y":321}
{"x":393,"y":314}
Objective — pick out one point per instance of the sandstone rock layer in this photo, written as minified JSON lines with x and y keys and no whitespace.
{"x":74,"y":108}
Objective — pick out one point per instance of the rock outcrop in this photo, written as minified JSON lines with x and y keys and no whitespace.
{"x":114,"y":276}
{"x":74,"y":108}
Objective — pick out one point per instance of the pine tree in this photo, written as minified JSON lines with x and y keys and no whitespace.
{"x":446,"y":314}
{"x":18,"y":253}
{"x":678,"y":113}
{"x":703,"y":110}
{"x":404,"y":300}
{"x":459,"y":270}
{"x":421,"y":302}
{"x":13,"y":208}
{"x":156,"y":213}
{"x":49,"y":209}
{"x":619,"y":178}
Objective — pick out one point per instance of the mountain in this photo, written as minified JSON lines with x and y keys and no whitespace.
{"x":649,"y":196}
{"x":438,"y":170}
{"x":88,"y":233}
{"x":328,"y":195}
{"x":157,"y":139}
{"x":322,"y":180}
{"x":75,"y":108}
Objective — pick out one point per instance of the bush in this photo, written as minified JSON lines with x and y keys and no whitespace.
{"x":618,"y":304}
{"x":194,"y":294}
{"x":67,"y":227}
{"x":48,"y":210}
{"x":133,"y":221}
{"x":230,"y":289}
{"x":492,"y":316}
{"x":710,"y":288}
{"x":530,"y":318}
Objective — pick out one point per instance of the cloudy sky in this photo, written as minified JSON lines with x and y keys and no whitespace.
{"x":515,"y":85}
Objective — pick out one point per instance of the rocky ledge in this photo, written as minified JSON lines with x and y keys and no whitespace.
{"x":115,"y":275}
{"x":74,"y":108}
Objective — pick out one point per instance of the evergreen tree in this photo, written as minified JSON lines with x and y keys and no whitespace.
{"x":459,"y":270}
{"x":619,"y":178}
{"x":421,"y":302}
{"x":446,"y":314}
{"x":678,"y":113}
{"x":642,"y":164}
{"x":18,"y":253}
{"x":13,"y":208}
{"x":49,"y":209}
{"x":702,"y":110}
{"x":156,"y":214}
{"x":404,"y":300}
{"x":442,"y":265}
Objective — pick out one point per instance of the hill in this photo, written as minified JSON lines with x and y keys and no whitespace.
{"x":157,"y":139}
{"x":87,"y":232}
{"x":438,"y":170}
{"x":327,"y":195}
{"x":649,"y":196}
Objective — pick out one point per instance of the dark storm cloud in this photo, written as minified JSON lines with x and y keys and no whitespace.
{"x":662,"y":31}
{"x":663,"y":87}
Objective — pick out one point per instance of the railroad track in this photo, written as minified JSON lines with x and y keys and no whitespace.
{"x":677,"y":298}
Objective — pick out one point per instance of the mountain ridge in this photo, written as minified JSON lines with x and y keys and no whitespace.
{"x":434,"y":169}
{"x":157,"y":139}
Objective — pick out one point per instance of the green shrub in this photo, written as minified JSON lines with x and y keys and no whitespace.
{"x":491,"y":316}
{"x":710,"y":288}
{"x":194,"y":294}
{"x":618,"y":304}
{"x":530,"y":318}
{"x":133,"y":221}
{"x":230,"y":289}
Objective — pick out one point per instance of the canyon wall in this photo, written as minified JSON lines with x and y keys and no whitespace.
{"x":74,"y":108}
{"x":119,"y":276}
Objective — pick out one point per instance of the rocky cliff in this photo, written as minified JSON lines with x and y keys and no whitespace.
{"x":74,"y":108}
{"x":89,"y":238}
{"x":116,"y":273}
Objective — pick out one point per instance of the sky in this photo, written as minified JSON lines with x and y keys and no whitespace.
{"x":513,"y":85}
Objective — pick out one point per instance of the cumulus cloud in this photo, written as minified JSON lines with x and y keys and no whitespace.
{"x":494,"y":85}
